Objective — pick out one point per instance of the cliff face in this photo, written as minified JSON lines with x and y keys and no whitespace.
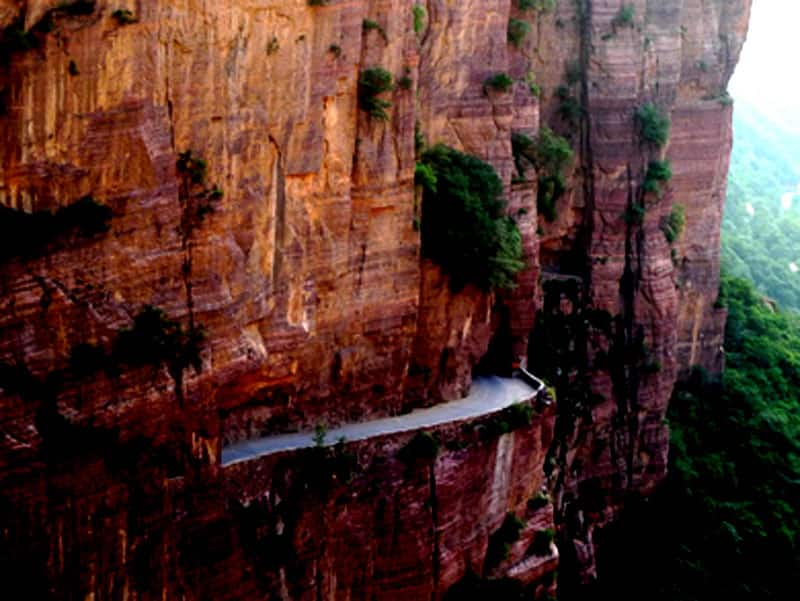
{"x":307,"y":279}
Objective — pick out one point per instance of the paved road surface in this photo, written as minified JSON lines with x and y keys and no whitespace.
{"x":486,"y":396}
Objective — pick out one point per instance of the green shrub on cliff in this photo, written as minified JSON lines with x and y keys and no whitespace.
{"x":551,"y":155}
{"x":501,"y":540}
{"x":540,"y":547}
{"x":155,"y":338}
{"x":653,"y":125}
{"x":464,"y":228}
{"x":420,"y":17}
{"x":372,"y":83}
{"x":624,"y":16}
{"x":124,"y":16}
{"x":537,"y":5}
{"x":657,"y":173}
{"x":501,"y":82}
{"x":672,"y":225}
{"x":518,"y":30}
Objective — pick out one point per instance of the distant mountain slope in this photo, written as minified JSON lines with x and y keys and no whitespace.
{"x":761,"y":226}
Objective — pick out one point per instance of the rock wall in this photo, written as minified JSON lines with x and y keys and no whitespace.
{"x":307,"y":278}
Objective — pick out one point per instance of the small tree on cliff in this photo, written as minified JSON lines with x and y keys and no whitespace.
{"x":464,"y":228}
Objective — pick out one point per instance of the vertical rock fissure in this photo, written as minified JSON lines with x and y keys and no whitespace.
{"x":434,"y":501}
{"x":279,"y":224}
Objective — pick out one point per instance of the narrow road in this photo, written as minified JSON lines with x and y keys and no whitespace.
{"x":486,"y":396}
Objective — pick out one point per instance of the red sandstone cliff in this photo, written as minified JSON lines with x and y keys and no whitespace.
{"x":308,"y":280}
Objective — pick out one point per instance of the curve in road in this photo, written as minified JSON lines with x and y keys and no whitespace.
{"x":486,"y":396}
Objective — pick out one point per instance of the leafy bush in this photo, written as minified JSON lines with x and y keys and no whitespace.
{"x":537,"y":5}
{"x":373,"y":82}
{"x":370,"y":25}
{"x":500,"y":82}
{"x":634,"y":214}
{"x":653,"y":125}
{"x":124,"y":16}
{"x":569,"y":108}
{"x":420,"y":17}
{"x":672,"y":225}
{"x":198,"y":199}
{"x":518,"y":30}
{"x":422,"y":448}
{"x":624,"y":17}
{"x":542,"y":540}
{"x":501,"y":540}
{"x":551,"y":155}
{"x":542,"y":499}
{"x":155,"y":338}
{"x":424,"y":176}
{"x":464,"y":229}
{"x":657,"y":172}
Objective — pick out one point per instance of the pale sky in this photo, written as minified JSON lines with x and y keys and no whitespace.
{"x":768,"y":75}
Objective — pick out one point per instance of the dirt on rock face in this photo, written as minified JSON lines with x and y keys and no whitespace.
{"x":296,"y":253}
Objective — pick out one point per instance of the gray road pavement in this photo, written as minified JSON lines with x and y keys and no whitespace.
{"x":486,"y":396}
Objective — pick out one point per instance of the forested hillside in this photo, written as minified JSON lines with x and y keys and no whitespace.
{"x":726,"y":524}
{"x":761,"y":227}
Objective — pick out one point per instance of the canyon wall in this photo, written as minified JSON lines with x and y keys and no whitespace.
{"x":297,"y":254}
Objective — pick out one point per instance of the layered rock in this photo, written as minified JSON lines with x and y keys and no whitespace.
{"x":308,"y":281}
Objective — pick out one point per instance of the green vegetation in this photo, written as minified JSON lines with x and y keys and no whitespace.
{"x":372,"y":83}
{"x":420,"y":17}
{"x":422,"y":448}
{"x":154,"y":338}
{"x":653,"y":125}
{"x":464,"y":228}
{"x":634,"y":214}
{"x":657,"y":173}
{"x":501,"y":540}
{"x":370,"y":25}
{"x":542,"y":6}
{"x":535,"y":89}
{"x":551,"y":155}
{"x":320,"y":433}
{"x":27,"y":234}
{"x":542,"y":499}
{"x":569,"y":108}
{"x":514,"y":417}
{"x":625,"y":16}
{"x":404,"y":82}
{"x":726,"y":525}
{"x":500,"y":82}
{"x":672,"y":225}
{"x":199,"y":200}
{"x":124,"y":16}
{"x":542,"y":540}
{"x":518,"y":30}
{"x":761,"y":222}
{"x":425,"y":176}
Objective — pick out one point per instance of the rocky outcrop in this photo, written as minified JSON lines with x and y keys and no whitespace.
{"x":296,"y":252}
